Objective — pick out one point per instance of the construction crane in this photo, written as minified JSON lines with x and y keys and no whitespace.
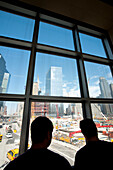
{"x":57,"y":111}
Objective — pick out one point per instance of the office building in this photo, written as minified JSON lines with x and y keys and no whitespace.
{"x":111,"y":88}
{"x":4,"y":79}
{"x":5,"y":82}
{"x":38,"y":108}
{"x":105,"y":93}
{"x":104,"y":88}
{"x":54,"y":82}
{"x":54,"y":88}
{"x":4,"y":76}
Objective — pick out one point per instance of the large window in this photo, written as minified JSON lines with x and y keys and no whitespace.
{"x":103,"y":117}
{"x":55,"y":76}
{"x":16,"y":26}
{"x":55,"y":36}
{"x":55,"y":68}
{"x":92,"y":45}
{"x":13,"y":70}
{"x":99,"y":79}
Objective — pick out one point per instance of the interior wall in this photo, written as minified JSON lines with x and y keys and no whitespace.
{"x":111,"y":34}
{"x":93,"y":12}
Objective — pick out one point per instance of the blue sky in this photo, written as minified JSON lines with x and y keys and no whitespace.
{"x":17,"y":61}
{"x":69,"y":71}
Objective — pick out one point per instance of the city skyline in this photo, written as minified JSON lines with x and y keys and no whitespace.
{"x":61,"y":86}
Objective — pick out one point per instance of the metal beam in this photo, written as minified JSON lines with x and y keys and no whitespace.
{"x":27,"y":106}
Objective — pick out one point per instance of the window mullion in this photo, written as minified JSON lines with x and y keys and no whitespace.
{"x":82,"y":78}
{"x":26,"y":114}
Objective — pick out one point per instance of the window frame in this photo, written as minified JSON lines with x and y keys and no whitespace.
{"x":38,"y":15}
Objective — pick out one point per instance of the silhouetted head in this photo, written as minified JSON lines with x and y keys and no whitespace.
{"x":41,"y":130}
{"x":88,"y":128}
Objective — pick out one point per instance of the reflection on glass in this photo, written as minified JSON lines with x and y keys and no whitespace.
{"x":11,"y":114}
{"x":55,"y":36}
{"x":55,"y":76}
{"x":65,"y":118}
{"x":13,"y":70}
{"x":103,"y":117}
{"x":100,"y":81}
{"x":15,"y":26}
{"x":92,"y":45}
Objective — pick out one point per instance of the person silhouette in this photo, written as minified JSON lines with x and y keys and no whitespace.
{"x":96,"y":153}
{"x":38,"y":156}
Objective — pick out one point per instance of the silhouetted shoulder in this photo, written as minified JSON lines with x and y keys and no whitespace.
{"x":58,"y":161}
{"x":42,"y":159}
{"x":96,"y":153}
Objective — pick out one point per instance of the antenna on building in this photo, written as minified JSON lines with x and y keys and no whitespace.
{"x":38,"y":79}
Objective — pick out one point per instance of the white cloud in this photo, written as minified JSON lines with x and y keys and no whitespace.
{"x":94,"y":77}
{"x":94,"y":91}
{"x":110,"y":81}
{"x":64,"y":85}
{"x":65,"y":93}
{"x":109,"y":75}
{"x":74,"y":93}
{"x":96,"y":82}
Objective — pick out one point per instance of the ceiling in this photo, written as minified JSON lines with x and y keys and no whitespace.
{"x":95,"y":12}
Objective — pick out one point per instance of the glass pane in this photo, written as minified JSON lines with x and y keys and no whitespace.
{"x":55,"y":76}
{"x":92,"y":45}
{"x":67,"y":137}
{"x":15,"y":26}
{"x":11,"y":114}
{"x":55,"y":36}
{"x":13,"y":70}
{"x":103,"y":117}
{"x":100,"y":81}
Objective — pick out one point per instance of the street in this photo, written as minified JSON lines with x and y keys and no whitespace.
{"x":6,"y":145}
{"x":64,"y":149}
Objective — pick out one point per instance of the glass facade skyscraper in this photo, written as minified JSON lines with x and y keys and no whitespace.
{"x":105,"y":93}
{"x":54,"y":88}
{"x":54,"y":81}
{"x":105,"y":88}
{"x":4,"y":76}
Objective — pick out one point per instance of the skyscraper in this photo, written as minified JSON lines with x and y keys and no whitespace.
{"x":4,"y":78}
{"x":105,"y":88}
{"x":5,"y":82}
{"x":54,"y":81}
{"x":111,"y":87}
{"x":36,"y":87}
{"x":105,"y":93}
{"x":54,"y":88}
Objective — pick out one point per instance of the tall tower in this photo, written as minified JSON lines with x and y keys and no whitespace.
{"x":111,"y":87}
{"x":5,"y":82}
{"x":105,"y":93}
{"x":4,"y":78}
{"x":54,"y":88}
{"x":36,"y":87}
{"x":105,"y":88}
{"x":54,"y":81}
